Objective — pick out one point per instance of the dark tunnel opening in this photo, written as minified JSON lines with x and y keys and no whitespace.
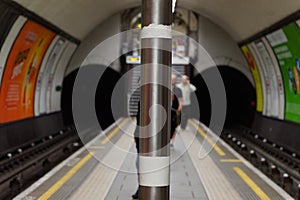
{"x":203,"y":99}
{"x":103,"y":95}
{"x":66,"y":97}
{"x":240,"y":96}
{"x":106,"y":116}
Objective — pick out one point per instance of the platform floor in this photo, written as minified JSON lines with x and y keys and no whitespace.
{"x":202,"y":167}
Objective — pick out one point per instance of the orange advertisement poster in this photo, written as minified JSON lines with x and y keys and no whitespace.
{"x":21,"y":70}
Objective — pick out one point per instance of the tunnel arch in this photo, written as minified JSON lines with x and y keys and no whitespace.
{"x":103,"y":95}
{"x":240,"y":95}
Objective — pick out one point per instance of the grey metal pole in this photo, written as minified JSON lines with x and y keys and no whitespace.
{"x":154,"y":142}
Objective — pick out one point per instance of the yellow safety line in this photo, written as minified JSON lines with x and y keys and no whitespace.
{"x":96,"y":147}
{"x":231,"y":160}
{"x":65,"y":178}
{"x":212,"y":143}
{"x":251,"y":184}
{"x":114,"y":132}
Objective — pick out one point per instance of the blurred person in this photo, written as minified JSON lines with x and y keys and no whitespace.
{"x":137,"y":141}
{"x":186,"y":88}
{"x":137,"y":146}
{"x":175,"y":107}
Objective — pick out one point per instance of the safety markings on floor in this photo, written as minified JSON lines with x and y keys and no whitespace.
{"x":231,"y":161}
{"x":98,"y":183}
{"x":66,"y":177}
{"x":250,"y":183}
{"x":210,"y":141}
{"x":76,"y":162}
{"x":244,"y":177}
{"x":114,"y":132}
{"x":83,"y":161}
{"x":96,"y":147}
{"x":216,"y":185}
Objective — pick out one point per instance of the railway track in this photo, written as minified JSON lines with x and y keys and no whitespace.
{"x":276,"y":162}
{"x":20,"y":167}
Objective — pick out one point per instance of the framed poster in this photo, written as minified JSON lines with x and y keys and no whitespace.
{"x":20,"y":72}
{"x":55,"y":50}
{"x":265,"y":82}
{"x":256,"y":77}
{"x":9,"y":41}
{"x":285,"y":43}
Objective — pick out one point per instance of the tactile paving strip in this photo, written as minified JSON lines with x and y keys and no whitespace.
{"x":185,"y":183}
{"x":227,"y":169}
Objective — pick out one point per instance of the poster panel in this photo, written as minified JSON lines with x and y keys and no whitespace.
{"x":271,"y":76}
{"x":21,"y":69}
{"x":285,"y":43}
{"x":263,"y":78}
{"x":55,"y":85}
{"x":256,"y":77}
{"x":9,"y":41}
{"x":8,"y":17}
{"x":51,"y":77}
{"x":44,"y":74}
{"x":270,"y":58}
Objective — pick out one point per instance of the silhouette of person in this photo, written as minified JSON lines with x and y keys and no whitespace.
{"x":186,"y":88}
{"x":137,"y":142}
{"x":175,"y":108}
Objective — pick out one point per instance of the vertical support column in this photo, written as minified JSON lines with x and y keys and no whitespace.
{"x":156,"y":40}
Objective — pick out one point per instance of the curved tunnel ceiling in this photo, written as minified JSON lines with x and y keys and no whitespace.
{"x":76,"y":17}
{"x":241,"y":19}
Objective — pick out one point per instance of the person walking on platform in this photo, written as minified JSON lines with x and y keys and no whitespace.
{"x":186,"y":88}
{"x":175,"y":107}
{"x":137,"y":142}
{"x":137,"y":145}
